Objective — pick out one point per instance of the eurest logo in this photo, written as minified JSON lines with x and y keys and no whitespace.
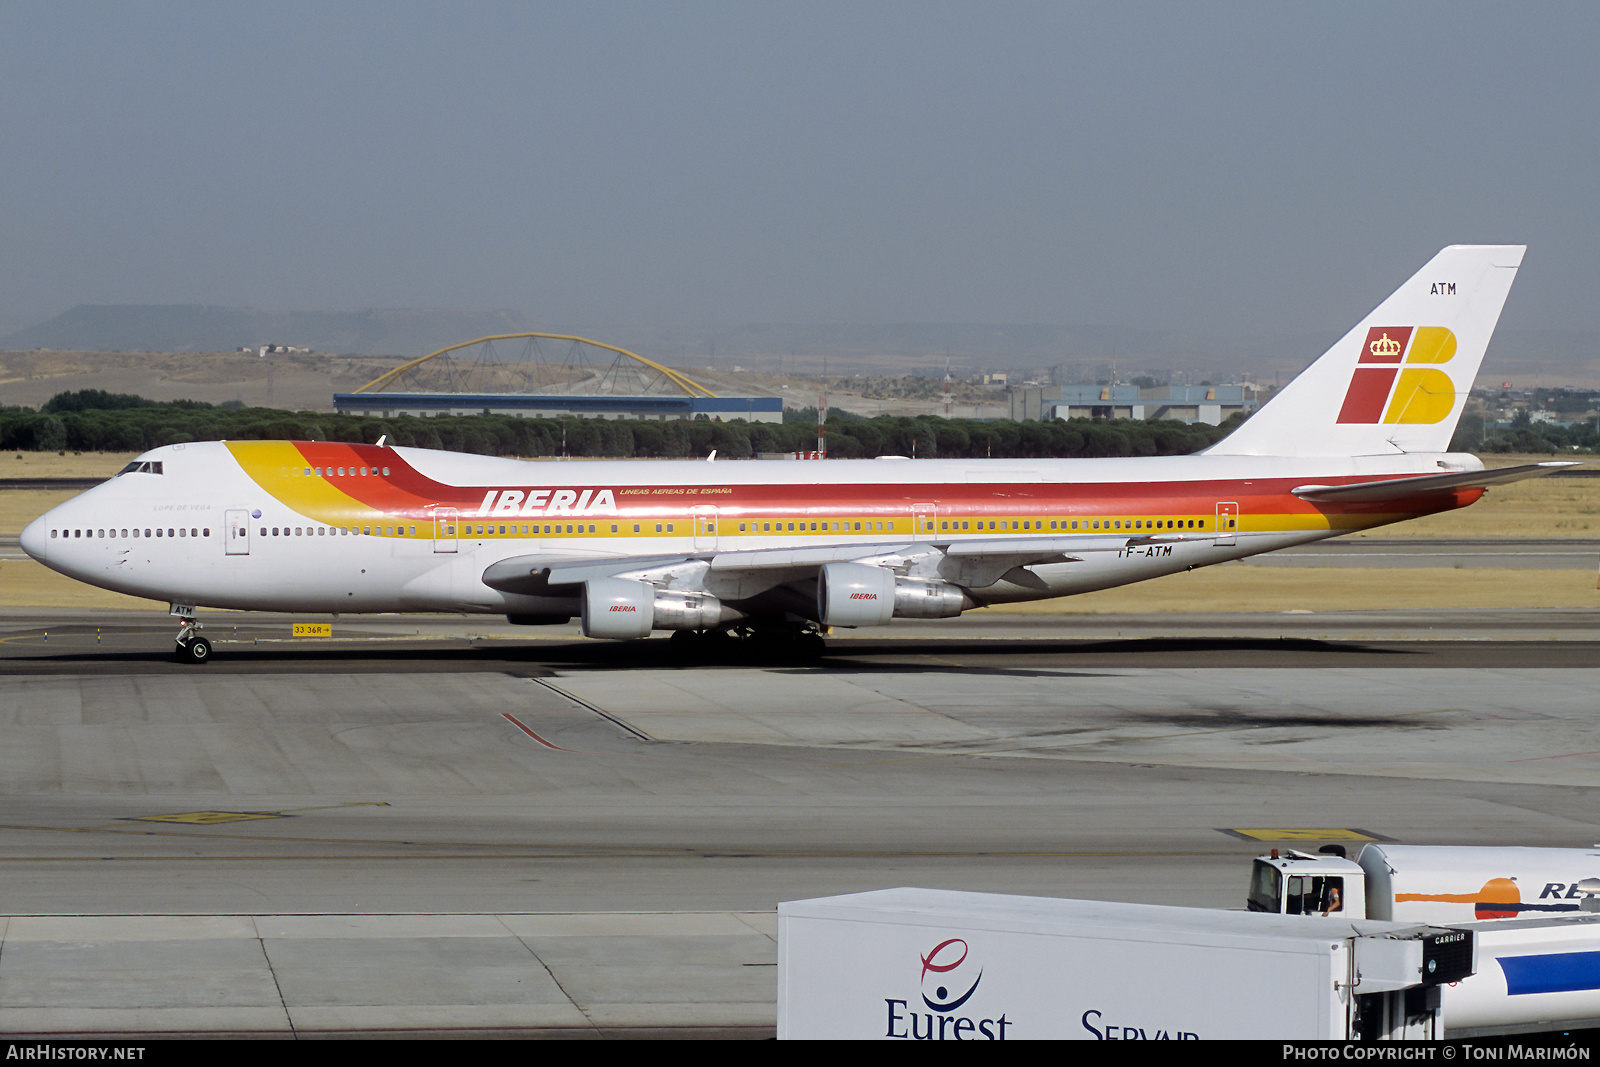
{"x":948,"y":981}
{"x":1389,"y":385}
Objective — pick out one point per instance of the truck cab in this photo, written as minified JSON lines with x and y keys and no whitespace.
{"x":1299,"y":883}
{"x":1440,"y":884}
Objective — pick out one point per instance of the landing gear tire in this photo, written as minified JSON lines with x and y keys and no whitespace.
{"x":703,"y":646}
{"x":195,"y":650}
{"x":779,"y":644}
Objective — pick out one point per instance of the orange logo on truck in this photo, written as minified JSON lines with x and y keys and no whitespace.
{"x":1498,"y":899}
{"x":1391,"y":385}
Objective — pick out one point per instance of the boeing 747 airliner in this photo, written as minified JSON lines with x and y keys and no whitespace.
{"x":775,"y":551}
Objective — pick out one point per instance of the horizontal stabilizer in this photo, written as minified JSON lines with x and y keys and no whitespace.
{"x":1407,"y":488}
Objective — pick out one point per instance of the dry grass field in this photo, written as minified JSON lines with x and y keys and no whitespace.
{"x":1237,"y":587}
{"x":1230,"y":587}
{"x":70,"y":465}
{"x":18,"y":507}
{"x":26,"y":584}
{"x":298,"y":382}
{"x":1540,"y":507}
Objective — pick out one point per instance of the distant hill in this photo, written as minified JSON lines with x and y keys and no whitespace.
{"x":202,"y":328}
{"x":1081,"y":352}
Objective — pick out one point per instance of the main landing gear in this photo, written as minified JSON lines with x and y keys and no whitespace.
{"x":192,"y":648}
{"x":784,"y":643}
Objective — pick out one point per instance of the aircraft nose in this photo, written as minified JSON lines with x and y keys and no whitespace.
{"x":35,"y":538}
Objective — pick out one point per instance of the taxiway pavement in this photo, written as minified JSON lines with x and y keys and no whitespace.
{"x":456,"y":826}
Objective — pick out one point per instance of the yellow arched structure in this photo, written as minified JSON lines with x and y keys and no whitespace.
{"x":688,"y":385}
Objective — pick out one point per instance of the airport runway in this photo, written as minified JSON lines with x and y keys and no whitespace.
{"x":451,"y":825}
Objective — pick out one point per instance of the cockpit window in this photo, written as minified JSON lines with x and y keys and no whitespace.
{"x":136,"y":467}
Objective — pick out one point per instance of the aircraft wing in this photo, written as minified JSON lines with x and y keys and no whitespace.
{"x":971,"y":563}
{"x":1406,"y":488}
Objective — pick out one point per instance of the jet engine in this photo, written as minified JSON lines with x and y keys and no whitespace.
{"x":624,"y":609}
{"x":854,"y":594}
{"x":917,"y":598}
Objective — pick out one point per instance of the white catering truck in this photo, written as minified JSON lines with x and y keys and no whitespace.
{"x":926,"y":964}
{"x":1535,"y":912}
{"x":1426,"y":883}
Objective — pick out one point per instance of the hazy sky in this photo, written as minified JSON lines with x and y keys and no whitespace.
{"x":1215,"y":167}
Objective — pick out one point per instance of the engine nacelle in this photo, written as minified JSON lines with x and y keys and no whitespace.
{"x":623,"y":609}
{"x":918,"y":598}
{"x":618,"y":608}
{"x":853,"y":594}
{"x":686,"y":611}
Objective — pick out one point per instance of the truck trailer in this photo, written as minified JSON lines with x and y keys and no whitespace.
{"x":926,"y":964}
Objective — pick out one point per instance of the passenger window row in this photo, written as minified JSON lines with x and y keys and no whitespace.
{"x":865,"y":526}
{"x":555,"y":528}
{"x":333,"y":472}
{"x":335,"y":531}
{"x":1088,"y":524}
{"x":844,"y":526}
{"x":467,"y":530}
{"x":109,"y":534}
{"x":971,"y":525}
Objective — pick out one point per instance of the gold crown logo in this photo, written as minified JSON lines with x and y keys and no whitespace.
{"x":1383,"y":346}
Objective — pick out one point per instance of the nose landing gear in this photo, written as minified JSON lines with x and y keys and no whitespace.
{"x":192,"y":648}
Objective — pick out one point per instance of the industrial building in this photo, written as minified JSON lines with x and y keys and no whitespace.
{"x":1210,"y":404}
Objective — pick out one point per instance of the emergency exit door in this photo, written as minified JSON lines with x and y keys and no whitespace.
{"x":705,"y":528}
{"x":1227,"y":522}
{"x":238,"y":543}
{"x":444,"y":529}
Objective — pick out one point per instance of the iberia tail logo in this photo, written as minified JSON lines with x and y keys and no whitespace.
{"x":1392,"y":383}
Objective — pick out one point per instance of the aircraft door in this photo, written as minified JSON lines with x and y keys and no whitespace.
{"x":444,"y":529}
{"x":924,"y":520}
{"x":705,"y":528}
{"x":1227,"y":522}
{"x":238,"y":543}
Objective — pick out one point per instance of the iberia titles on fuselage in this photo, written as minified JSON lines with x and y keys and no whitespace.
{"x":632,"y":546}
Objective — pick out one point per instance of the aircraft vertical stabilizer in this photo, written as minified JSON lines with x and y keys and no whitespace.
{"x":1398,"y":381}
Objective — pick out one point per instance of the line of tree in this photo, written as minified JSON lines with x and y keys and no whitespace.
{"x":92,"y":420}
{"x":1524,"y":436}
